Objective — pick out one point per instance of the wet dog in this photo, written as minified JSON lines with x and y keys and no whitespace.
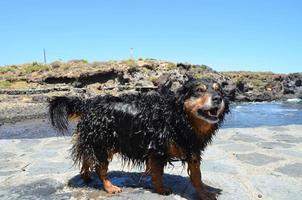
{"x":150,"y":129}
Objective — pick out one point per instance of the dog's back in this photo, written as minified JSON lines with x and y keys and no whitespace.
{"x":133,"y":125}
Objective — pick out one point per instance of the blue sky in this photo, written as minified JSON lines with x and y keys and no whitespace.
{"x":256,"y":35}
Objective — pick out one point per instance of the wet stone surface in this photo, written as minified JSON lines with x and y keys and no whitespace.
{"x":28,"y":145}
{"x":257,"y":159}
{"x":241,"y":163}
{"x":277,"y":188}
{"x":221,"y":166}
{"x":42,"y":189}
{"x":288,"y":138}
{"x":6,"y":155}
{"x":238,"y":147}
{"x":245,"y":138}
{"x":291,"y":169}
{"x":48,"y":168}
{"x":278,"y":129}
{"x":272,"y":145}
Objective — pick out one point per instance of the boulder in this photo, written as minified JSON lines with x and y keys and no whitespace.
{"x":298,"y":83}
{"x":240,"y":86}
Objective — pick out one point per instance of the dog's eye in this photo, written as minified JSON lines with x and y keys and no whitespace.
{"x":202,"y":88}
{"x":216,"y":86}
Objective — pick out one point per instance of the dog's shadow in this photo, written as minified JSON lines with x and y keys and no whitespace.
{"x":180,"y":185}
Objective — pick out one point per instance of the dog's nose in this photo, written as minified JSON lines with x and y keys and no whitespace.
{"x":217,"y":99}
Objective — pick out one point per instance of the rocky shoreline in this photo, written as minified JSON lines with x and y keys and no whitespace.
{"x":14,"y":112}
{"x":26,"y":89}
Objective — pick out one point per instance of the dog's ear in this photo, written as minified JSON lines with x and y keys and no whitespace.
{"x":187,"y":89}
{"x":164,"y":84}
{"x":189,"y":81}
{"x":188,"y":77}
{"x":165,"y":88}
{"x":168,"y":83}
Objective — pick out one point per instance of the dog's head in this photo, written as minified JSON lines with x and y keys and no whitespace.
{"x":204,"y":99}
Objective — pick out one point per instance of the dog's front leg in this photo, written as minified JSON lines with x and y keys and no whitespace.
{"x":195,"y":176}
{"x":102,"y":170}
{"x":156,"y":169}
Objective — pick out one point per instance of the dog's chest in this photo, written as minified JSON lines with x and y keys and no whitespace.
{"x":201,"y":128}
{"x":177,"y":152}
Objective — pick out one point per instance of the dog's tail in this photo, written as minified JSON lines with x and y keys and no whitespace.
{"x":61,"y":109}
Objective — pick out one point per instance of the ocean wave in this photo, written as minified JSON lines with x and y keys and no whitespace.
{"x":262,"y":103}
{"x":294,"y":100}
{"x":284,"y":110}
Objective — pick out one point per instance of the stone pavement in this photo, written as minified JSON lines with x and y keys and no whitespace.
{"x":241,"y":163}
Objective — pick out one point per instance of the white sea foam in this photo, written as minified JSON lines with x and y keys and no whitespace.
{"x":284,"y":110}
{"x":294,"y":100}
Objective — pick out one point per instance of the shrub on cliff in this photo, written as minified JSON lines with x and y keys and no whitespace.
{"x":29,"y":68}
{"x":10,"y":68}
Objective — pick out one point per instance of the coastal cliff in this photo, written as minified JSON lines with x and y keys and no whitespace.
{"x":27,"y":88}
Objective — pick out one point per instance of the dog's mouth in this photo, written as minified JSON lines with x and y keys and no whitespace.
{"x":210,"y":115}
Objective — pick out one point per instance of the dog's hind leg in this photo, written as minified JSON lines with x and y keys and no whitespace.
{"x":195,"y":176}
{"x":79,"y":157}
{"x":101,"y":171}
{"x":86,"y":171}
{"x":156,"y":168}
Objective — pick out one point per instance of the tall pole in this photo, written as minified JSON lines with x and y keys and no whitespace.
{"x":131,"y":54}
{"x":44,"y":53}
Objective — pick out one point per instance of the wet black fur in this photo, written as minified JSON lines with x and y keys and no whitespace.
{"x":136,"y":125}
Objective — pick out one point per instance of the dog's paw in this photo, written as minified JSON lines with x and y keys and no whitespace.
{"x":86,"y":178}
{"x":112,"y":189}
{"x":207,"y":196}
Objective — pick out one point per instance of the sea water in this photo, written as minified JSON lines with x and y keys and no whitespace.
{"x":264,"y":114}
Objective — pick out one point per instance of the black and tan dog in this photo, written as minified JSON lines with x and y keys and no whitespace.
{"x":145,"y":128}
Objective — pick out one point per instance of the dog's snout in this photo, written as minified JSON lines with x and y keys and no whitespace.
{"x":217,"y":99}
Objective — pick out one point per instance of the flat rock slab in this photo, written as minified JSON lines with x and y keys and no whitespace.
{"x":273,"y":145}
{"x":40,"y":189}
{"x":288,"y":138}
{"x":245,"y":138}
{"x":293,"y":170}
{"x":245,"y":164}
{"x":257,"y":158}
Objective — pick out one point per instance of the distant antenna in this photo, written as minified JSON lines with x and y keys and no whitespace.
{"x":131,"y":54}
{"x":44,"y":53}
